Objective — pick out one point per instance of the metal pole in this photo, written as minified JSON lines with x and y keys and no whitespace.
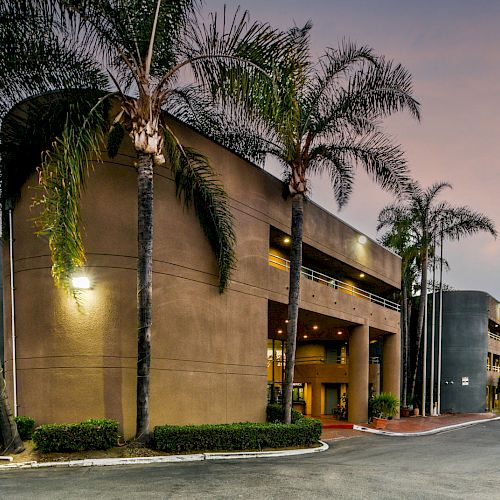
{"x":440,"y":327}
{"x":424,"y":354}
{"x":433,"y":329}
{"x":12,"y":311}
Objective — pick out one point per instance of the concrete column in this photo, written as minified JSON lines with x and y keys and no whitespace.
{"x":316,"y":399}
{"x":391,"y":367}
{"x":358,"y":374}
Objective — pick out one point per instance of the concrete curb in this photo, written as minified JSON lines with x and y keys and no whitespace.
{"x":102,"y":462}
{"x":423,"y":433}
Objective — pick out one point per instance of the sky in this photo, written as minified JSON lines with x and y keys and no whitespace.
{"x":452,"y":49}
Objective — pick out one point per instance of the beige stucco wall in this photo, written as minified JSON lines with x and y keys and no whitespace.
{"x":208,"y":350}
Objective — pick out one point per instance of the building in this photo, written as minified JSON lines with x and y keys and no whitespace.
{"x":470,"y":352}
{"x":212,"y":354}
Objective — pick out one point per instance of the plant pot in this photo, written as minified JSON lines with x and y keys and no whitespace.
{"x":379,"y":423}
{"x":405,"y":412}
{"x":416,"y":412}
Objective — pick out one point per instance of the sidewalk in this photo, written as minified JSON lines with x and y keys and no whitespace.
{"x":334,"y":429}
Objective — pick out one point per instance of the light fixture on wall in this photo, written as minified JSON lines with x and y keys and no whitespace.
{"x":286,"y":240}
{"x":80,"y":282}
{"x":315,"y":327}
{"x":362,"y":239}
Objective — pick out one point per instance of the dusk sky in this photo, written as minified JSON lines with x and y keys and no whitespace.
{"x":452,"y":49}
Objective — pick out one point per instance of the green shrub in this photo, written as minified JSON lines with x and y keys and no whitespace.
{"x":241,"y":436}
{"x":274,"y":414}
{"x":385,"y":405}
{"x":93,"y":434}
{"x":25,"y":427}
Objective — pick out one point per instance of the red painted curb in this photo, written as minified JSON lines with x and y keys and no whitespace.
{"x":337,"y":426}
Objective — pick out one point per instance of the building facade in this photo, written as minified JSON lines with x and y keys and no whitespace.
{"x":215,"y":357}
{"x":470,"y":352}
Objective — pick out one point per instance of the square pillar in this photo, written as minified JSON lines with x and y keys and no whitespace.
{"x":316,"y":399}
{"x":359,"y":374}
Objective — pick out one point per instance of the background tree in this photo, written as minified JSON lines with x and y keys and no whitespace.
{"x":325,"y":120}
{"x":140,"y":48}
{"x":399,"y":239}
{"x":422,"y":217}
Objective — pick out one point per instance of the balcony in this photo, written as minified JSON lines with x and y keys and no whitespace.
{"x":284,"y":264}
{"x":494,"y":336}
{"x":493,"y":368}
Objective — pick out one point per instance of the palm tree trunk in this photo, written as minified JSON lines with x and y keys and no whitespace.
{"x":8,"y":428}
{"x":144,"y":290}
{"x":420,"y":319}
{"x":293,"y":301}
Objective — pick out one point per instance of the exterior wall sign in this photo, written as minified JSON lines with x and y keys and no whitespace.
{"x":465,"y":380}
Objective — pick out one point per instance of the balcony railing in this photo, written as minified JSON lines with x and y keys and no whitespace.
{"x":494,"y":336}
{"x":493,"y":368}
{"x":280,"y":262}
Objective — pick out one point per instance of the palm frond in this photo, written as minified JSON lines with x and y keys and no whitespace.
{"x":62,"y":175}
{"x":463,"y":221}
{"x":381,"y":159}
{"x":27,"y":38}
{"x":198,"y":185}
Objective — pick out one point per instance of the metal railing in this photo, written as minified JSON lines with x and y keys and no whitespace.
{"x":339,"y":360}
{"x":494,"y":336}
{"x":493,"y":368}
{"x":280,"y":262}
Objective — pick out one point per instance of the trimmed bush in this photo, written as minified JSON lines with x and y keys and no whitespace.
{"x":93,"y":434}
{"x":25,"y":427}
{"x":241,"y":436}
{"x":274,"y":414}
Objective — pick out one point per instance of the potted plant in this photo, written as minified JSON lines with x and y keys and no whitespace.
{"x":385,"y":405}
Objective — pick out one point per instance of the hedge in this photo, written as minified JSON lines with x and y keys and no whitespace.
{"x":274,"y":414}
{"x":241,"y":436}
{"x":25,"y":427}
{"x":93,"y":434}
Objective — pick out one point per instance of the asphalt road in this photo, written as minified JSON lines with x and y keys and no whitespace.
{"x":464,"y":463}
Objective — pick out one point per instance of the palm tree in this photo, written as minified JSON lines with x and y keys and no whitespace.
{"x":423,"y":218}
{"x":27,"y":39}
{"x":325,"y":120}
{"x":142,"y":47}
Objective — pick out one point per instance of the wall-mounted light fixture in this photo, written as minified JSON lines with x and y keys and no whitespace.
{"x":80,"y":282}
{"x":286,"y":240}
{"x":362,"y":239}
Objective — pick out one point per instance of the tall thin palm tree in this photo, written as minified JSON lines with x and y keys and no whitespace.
{"x":424,"y":217}
{"x":142,"y":47}
{"x":325,"y":120}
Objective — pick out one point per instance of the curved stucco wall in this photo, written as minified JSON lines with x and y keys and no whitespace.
{"x":464,"y":351}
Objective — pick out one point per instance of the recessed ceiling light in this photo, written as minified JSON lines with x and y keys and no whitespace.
{"x":339,"y":333}
{"x":305,"y":336}
{"x":280,"y":331}
{"x":286,"y":321}
{"x":286,"y":240}
{"x":315,"y":327}
{"x":362,"y":275}
{"x":362,"y":239}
